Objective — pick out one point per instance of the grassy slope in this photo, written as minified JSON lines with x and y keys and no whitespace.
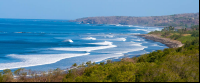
{"x":186,"y":38}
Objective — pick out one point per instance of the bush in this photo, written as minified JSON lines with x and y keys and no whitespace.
{"x":7,"y":75}
{"x":175,"y":36}
{"x":195,"y":34}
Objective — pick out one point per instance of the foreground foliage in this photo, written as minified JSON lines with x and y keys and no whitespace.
{"x":170,"y":65}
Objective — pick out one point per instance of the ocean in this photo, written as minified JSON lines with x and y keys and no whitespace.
{"x":41,"y":45}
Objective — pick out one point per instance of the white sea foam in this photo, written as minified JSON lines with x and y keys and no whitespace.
{"x":118,"y":25}
{"x":133,"y":33}
{"x":156,"y":45}
{"x":137,"y":44}
{"x":102,"y":57}
{"x":34,"y":60}
{"x":105,"y":35}
{"x":121,"y":39}
{"x":110,"y":36}
{"x":122,"y":25}
{"x":116,"y":39}
{"x":87,"y":49}
{"x":102,"y":43}
{"x":68,"y":40}
{"x":138,"y":26}
{"x":89,"y":38}
{"x":117,"y":52}
{"x":147,"y":29}
{"x":138,"y":39}
{"x":145,"y":42}
{"x":140,"y":30}
{"x":123,"y":47}
{"x":133,"y":42}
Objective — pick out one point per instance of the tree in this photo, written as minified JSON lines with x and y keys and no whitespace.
{"x":93,"y":63}
{"x":102,"y":63}
{"x":109,"y":61}
{"x":88,"y":63}
{"x":18,"y":71}
{"x":74,"y":65}
{"x":7,"y":75}
{"x":195,"y":34}
{"x":1,"y":77}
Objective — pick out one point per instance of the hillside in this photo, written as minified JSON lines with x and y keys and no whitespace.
{"x":176,"y":20}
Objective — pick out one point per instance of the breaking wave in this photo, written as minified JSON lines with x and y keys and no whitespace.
{"x":35,"y":60}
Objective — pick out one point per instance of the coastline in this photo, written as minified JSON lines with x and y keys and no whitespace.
{"x":107,"y":24}
{"x":168,"y":42}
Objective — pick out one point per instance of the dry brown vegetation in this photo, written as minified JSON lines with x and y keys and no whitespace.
{"x":128,"y":60}
{"x":186,"y":34}
{"x":23,"y":75}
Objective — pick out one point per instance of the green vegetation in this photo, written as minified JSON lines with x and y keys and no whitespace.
{"x":176,"y":20}
{"x":182,"y":35}
{"x":186,"y":38}
{"x":168,"y":65}
{"x":74,"y":64}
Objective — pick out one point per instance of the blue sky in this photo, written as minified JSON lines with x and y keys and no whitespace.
{"x":72,"y":9}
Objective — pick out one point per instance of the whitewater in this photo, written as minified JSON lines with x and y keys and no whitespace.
{"x":50,"y":44}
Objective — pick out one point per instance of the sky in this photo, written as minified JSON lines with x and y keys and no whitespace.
{"x":73,"y":9}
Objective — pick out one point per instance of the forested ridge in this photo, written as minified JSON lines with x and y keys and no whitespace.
{"x":177,"y":20}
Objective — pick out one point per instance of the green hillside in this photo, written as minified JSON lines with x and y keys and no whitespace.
{"x":176,"y":20}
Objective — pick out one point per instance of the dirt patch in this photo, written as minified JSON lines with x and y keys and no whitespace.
{"x":128,"y":60}
{"x":186,"y":34}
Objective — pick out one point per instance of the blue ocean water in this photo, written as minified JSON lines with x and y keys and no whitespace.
{"x":49,"y":44}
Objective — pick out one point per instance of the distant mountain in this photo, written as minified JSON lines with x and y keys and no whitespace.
{"x":176,"y":20}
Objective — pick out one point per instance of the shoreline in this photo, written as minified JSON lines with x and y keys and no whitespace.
{"x":168,"y":42}
{"x":124,"y":25}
